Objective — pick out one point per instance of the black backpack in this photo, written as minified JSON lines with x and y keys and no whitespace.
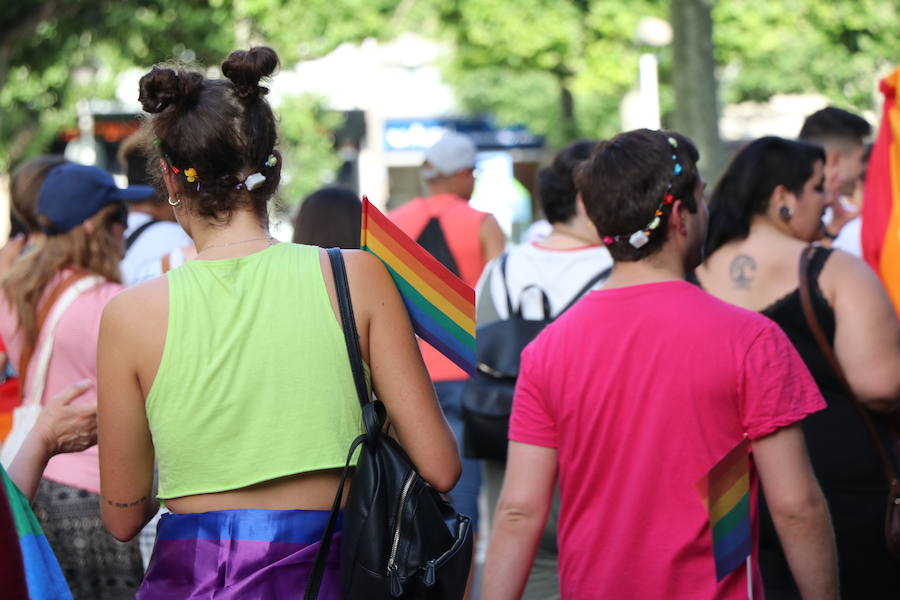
{"x":487,"y":398}
{"x":432,"y":239}
{"x":400,"y":538}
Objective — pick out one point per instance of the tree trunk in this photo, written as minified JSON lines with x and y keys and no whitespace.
{"x":567,"y":123}
{"x":694,"y":82}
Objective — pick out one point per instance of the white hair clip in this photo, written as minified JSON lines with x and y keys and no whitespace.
{"x":254,"y":180}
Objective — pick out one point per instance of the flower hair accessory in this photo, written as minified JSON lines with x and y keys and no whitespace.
{"x":641,"y":237}
{"x":254,"y":180}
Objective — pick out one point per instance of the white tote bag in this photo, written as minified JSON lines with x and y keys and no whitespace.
{"x":25,"y":416}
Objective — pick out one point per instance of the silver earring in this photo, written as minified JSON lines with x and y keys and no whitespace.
{"x":785,"y":213}
{"x":175,"y":204}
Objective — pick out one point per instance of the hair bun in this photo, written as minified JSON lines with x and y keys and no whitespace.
{"x":162,"y":87}
{"x":246,"y":67}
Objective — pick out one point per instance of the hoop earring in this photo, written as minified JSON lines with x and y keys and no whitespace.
{"x":785,"y":213}
{"x":175,"y":204}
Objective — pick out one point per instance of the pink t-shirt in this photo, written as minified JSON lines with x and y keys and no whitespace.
{"x":74,"y":358}
{"x":642,"y":390}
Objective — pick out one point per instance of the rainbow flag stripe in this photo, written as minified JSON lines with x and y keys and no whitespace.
{"x":43,"y":576}
{"x":725,"y":491}
{"x":881,"y":210}
{"x":440,"y":305}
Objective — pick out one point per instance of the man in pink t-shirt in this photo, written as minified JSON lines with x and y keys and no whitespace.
{"x":636,"y":398}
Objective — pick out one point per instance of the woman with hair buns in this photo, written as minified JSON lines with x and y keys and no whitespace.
{"x":231,"y":370}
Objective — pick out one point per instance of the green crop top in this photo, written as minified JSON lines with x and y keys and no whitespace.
{"x":254,"y":381}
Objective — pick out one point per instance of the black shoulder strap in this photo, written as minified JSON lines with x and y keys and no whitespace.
{"x":348,"y":322}
{"x":586,"y":288}
{"x":134,"y":235}
{"x":509,"y":306}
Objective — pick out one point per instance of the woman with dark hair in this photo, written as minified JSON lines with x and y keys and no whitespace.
{"x":765,"y":212}
{"x":329,"y":218}
{"x":50,"y":319}
{"x":231,"y":371}
{"x":560,"y":265}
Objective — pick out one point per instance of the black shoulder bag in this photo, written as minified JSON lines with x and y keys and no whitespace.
{"x":487,"y":397}
{"x":400,"y":537}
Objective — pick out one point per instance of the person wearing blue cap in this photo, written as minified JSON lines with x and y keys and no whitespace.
{"x":50,"y":320}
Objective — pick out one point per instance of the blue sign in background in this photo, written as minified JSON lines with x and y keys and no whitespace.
{"x":419,"y":134}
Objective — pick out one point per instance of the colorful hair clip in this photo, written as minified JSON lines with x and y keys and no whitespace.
{"x":191,"y":174}
{"x":254,"y":180}
{"x":271,"y":161}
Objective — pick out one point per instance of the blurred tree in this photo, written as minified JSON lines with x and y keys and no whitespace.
{"x":696,"y":91}
{"x":46,"y":44}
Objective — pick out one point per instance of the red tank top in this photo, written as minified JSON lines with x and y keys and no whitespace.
{"x":461,"y":225}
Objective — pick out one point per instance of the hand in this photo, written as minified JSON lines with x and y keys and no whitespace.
{"x":67,"y":427}
{"x":10,"y":252}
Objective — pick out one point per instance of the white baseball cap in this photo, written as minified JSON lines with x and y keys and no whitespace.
{"x":451,"y":154}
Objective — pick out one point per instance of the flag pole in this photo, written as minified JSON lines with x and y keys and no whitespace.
{"x":749,"y":578}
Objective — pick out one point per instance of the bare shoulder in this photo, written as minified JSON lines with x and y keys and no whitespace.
{"x":138,"y":303}
{"x":844,"y":273}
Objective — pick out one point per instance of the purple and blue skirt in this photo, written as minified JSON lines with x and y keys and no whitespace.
{"x":246,"y":554}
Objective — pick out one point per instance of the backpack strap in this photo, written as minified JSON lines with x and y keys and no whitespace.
{"x":351,"y":337}
{"x":586,"y":288}
{"x":509,"y":306}
{"x":134,"y":235}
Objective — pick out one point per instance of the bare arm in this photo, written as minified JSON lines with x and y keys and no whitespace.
{"x":519,"y":520}
{"x":126,"y":450}
{"x":61,"y":427}
{"x":492,"y":239}
{"x":799,"y":512}
{"x":398,"y":373}
{"x":867,"y":337}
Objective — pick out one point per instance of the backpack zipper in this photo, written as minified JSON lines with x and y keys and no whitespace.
{"x":393,"y":570}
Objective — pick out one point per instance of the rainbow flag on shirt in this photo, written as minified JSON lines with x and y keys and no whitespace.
{"x":440,"y":305}
{"x":726,"y":494}
{"x":881,"y":208}
{"x":42,"y":575}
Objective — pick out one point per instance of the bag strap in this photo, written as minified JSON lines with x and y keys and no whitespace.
{"x":586,"y":288}
{"x":348,"y":323}
{"x":134,"y":235}
{"x":351,"y":338}
{"x":890,"y":471}
{"x":42,"y":313}
{"x":509,"y":306}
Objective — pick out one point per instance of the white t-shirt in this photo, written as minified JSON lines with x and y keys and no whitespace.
{"x":561,"y":274}
{"x":154,"y":242}
{"x":850,"y":238}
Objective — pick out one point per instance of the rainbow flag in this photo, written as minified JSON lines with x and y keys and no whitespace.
{"x":44,"y":578}
{"x":881,"y":209}
{"x":440,"y":305}
{"x":725,"y":491}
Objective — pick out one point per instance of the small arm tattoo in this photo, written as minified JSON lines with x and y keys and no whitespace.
{"x":742,"y":271}
{"x":126,"y":504}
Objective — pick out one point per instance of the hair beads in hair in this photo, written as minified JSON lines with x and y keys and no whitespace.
{"x":246,"y":68}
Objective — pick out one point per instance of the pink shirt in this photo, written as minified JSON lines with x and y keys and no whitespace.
{"x":74,"y":358}
{"x":642,"y":390}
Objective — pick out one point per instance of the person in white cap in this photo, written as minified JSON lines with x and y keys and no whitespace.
{"x":464,"y":240}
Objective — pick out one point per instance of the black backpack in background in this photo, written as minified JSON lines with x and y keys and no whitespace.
{"x":487,"y":398}
{"x":434,"y":241}
{"x":400,"y":538}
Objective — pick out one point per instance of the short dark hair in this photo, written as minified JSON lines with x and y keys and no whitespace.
{"x":329,"y":218}
{"x":556,"y":182}
{"x":625,"y":180}
{"x":224,"y":129}
{"x":133,"y":155}
{"x":834,"y":126}
{"x":747,"y":185}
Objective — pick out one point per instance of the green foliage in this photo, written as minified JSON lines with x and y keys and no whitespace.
{"x":307,"y":146}
{"x":802,"y":46}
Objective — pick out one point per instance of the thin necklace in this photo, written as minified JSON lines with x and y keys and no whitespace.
{"x":268,"y":238}
{"x":575,"y":236}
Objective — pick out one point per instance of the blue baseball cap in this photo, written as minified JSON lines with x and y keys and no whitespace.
{"x":72,"y":193}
